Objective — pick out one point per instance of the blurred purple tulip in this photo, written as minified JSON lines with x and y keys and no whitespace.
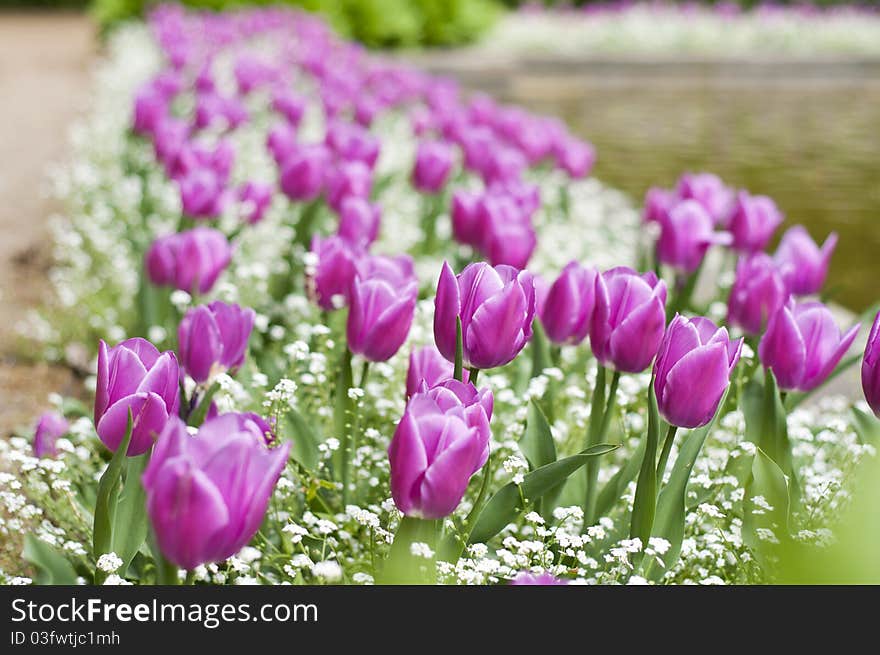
{"x":50,"y":427}
{"x":191,"y":260}
{"x":349,"y":179}
{"x":134,"y":377}
{"x":213,"y":339}
{"x":753,"y":221}
{"x":207,"y":494}
{"x":576,"y":158}
{"x":359,"y":221}
{"x":303,"y":172}
{"x":629,"y":319}
{"x":281,"y":143}
{"x":255,"y":197}
{"x":329,"y":278}
{"x":545,"y":579}
{"x":692,"y":370}
{"x":150,"y":109}
{"x":710,"y":192}
{"x":290,"y":105}
{"x":352,"y":143}
{"x":507,"y":233}
{"x":567,"y":311}
{"x":871,"y":368}
{"x":380,"y":314}
{"x":496,"y":307}
{"x":804,"y":265}
{"x":202,"y":194}
{"x":802,"y":345}
{"x":433,"y":165}
{"x":438,"y":445}
{"x":465,"y":217}
{"x":758,"y":291}
{"x":687,"y":232}
{"x":658,"y":203}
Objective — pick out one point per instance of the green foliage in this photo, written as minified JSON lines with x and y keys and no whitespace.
{"x":376,"y":23}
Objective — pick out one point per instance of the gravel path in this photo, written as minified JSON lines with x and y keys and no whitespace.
{"x":44,"y":62}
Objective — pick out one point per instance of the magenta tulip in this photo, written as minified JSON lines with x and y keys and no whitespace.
{"x":202,"y":193}
{"x":496,"y":307}
{"x":576,"y":158}
{"x":359,"y":221}
{"x":710,"y":192}
{"x":347,"y":180}
{"x":428,"y":366}
{"x":803,"y":264}
{"x":255,"y":198}
{"x":545,"y":579}
{"x":303,"y":172}
{"x":134,"y":378}
{"x":871,"y":368}
{"x":351,"y":142}
{"x":658,"y":203}
{"x":753,"y":221}
{"x":191,"y":260}
{"x":207,"y":494}
{"x":433,"y":165}
{"x":329,"y":278}
{"x":692,"y":370}
{"x":466,"y":218}
{"x":213,"y":339}
{"x":802,"y":345}
{"x":567,"y":311}
{"x":758,"y":292}
{"x":687,"y":232}
{"x":380,"y":314}
{"x":628,"y":320}
{"x":50,"y":427}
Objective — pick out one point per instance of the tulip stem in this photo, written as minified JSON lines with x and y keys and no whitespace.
{"x":405,"y":567}
{"x":473,"y":374}
{"x":198,"y":414}
{"x":591,"y":471}
{"x":664,"y":454}
{"x":457,"y":372}
{"x":365,"y":374}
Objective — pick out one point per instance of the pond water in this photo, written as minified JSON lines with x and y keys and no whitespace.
{"x":810,"y":142}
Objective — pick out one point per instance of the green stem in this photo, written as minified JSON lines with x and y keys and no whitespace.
{"x":365,"y":374}
{"x":197,"y":417}
{"x":591,"y":470}
{"x":402,"y":567}
{"x":457,"y":371}
{"x":664,"y":454}
{"x":473,"y":374}
{"x":190,"y":577}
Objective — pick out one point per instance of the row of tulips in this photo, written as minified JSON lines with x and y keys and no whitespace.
{"x":208,"y":475}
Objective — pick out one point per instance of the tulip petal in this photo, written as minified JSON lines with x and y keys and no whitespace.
{"x":447,"y":308}
{"x":694,"y":386}
{"x":495,"y":334}
{"x":163,"y":380}
{"x":149,"y":416}
{"x":783,"y":351}
{"x":447,"y":477}
{"x":408,"y":460}
{"x":635,"y":341}
{"x":126,"y":373}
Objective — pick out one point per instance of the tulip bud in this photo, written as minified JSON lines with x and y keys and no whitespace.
{"x":331,"y":272}
{"x":693,"y":370}
{"x":202,"y":194}
{"x":758,"y":291}
{"x":686,"y":233}
{"x":49,"y":428}
{"x":871,"y":368}
{"x":191,"y":260}
{"x":753,"y":221}
{"x":255,"y":198}
{"x":380,"y":314}
{"x":803,"y":264}
{"x":359,"y":221}
{"x":496,"y":307}
{"x":134,"y":378}
{"x":428,"y":366}
{"x":207,"y":494}
{"x":213,"y":338}
{"x":465,"y":217}
{"x":440,"y":442}
{"x":350,"y":179}
{"x":433,"y":165}
{"x":628,"y":320}
{"x":802,"y":345}
{"x":303,"y":172}
{"x":710,"y":192}
{"x":352,"y":143}
{"x":567,"y":311}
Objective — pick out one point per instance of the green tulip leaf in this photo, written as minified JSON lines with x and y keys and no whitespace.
{"x":866,"y":425}
{"x":537,"y":440}
{"x":130,"y":522}
{"x":645,"y":502}
{"x":508,"y":501}
{"x":303,"y":438}
{"x":108,"y":496}
{"x":52,"y":567}
{"x":765,"y":509}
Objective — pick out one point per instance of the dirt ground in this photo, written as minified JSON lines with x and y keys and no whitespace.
{"x":44,"y":82}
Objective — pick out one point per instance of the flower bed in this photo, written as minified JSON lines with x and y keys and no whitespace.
{"x":722,"y":30}
{"x":341,"y":341}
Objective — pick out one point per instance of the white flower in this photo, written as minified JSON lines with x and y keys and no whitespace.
{"x":109,"y":562}
{"x":327,"y":570}
{"x":421,"y":549}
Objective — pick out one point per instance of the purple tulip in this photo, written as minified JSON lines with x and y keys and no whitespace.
{"x":527,"y":196}
{"x":508,"y":236}
{"x":380,"y":314}
{"x":465,"y":217}
{"x":802,"y":345}
{"x":433,"y":165}
{"x":758,"y":291}
{"x":255,"y":197}
{"x":496,"y":307}
{"x":428,"y":366}
{"x":349,"y":179}
{"x":753,"y":221}
{"x":576,"y":158}
{"x":169,"y":140}
{"x":544,"y":579}
{"x":503,"y":163}
{"x":290,"y":105}
{"x":191,"y":260}
{"x":692,"y":370}
{"x":202,"y":194}
{"x":207,"y":494}
{"x":359,"y":221}
{"x":709,"y":191}
{"x":328,"y":280}
{"x":567,"y":311}
{"x":686,"y":233}
{"x":134,"y":378}
{"x":213,"y":339}
{"x":50,"y":427}
{"x":281,"y":143}
{"x":628,"y":320}
{"x":150,"y":109}
{"x":870,"y":368}
{"x":303,"y":172}
{"x":213,"y":109}
{"x":252,"y":73}
{"x":438,"y":445}
{"x":352,"y":143}
{"x":658,"y":203}
{"x":804,"y":265}
{"x":476,"y":144}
